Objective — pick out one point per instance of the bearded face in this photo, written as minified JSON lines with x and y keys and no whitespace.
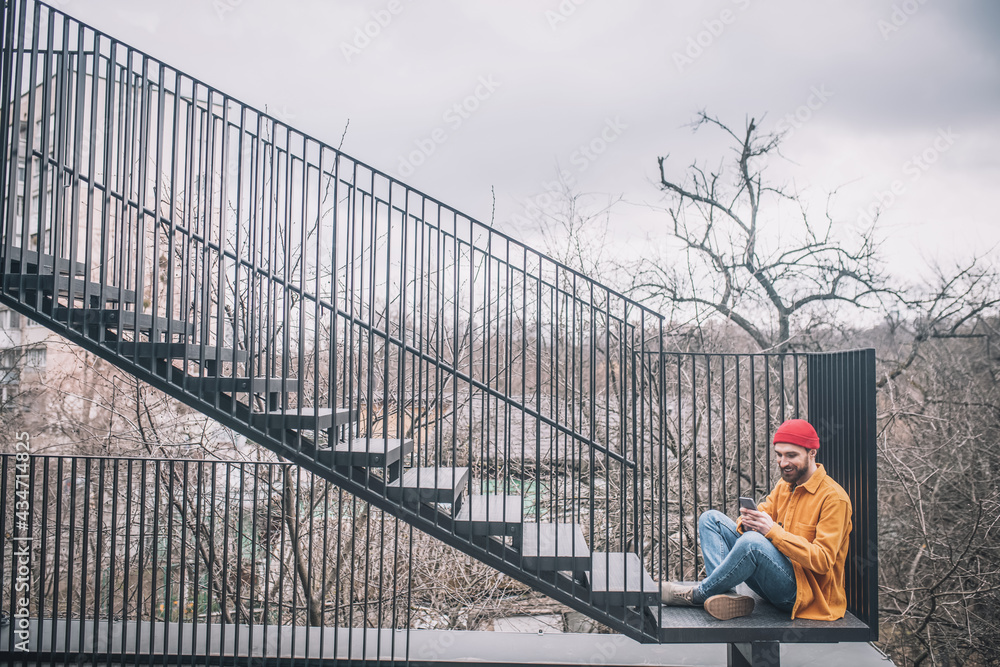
{"x":794,"y":462}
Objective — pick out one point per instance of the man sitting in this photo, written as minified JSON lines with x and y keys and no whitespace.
{"x":790,"y":550}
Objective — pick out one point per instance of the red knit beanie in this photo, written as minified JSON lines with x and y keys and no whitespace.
{"x":797,"y":432}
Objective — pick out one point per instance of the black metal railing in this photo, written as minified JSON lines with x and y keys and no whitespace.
{"x":193,"y":557}
{"x":205,"y":246}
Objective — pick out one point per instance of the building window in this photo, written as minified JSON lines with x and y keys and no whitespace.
{"x":10,"y":319}
{"x":35,"y":358}
{"x":8,"y":367}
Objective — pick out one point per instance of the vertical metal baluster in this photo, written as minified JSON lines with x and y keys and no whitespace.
{"x":10,"y":139}
{"x":154,"y":265}
{"x":199,"y":492}
{"x":576,"y":386}
{"x":308,"y":586}
{"x":301,"y":260}
{"x":287,"y":297}
{"x":70,"y":562}
{"x":84,"y":538}
{"x":694,"y":456}
{"x":77,"y":131}
{"x":225,"y":518}
{"x":608,"y":545}
{"x":326,"y":553}
{"x":768,"y":474}
{"x":725,"y":454}
{"x":379,"y":624}
{"x":56,"y":550}
{"x":353,"y":578}
{"x":554,"y":465}
{"x":333,"y":371}
{"x":60,"y":251}
{"x":336,"y":582}
{"x":210,"y":566}
{"x":142,"y":149}
{"x":139,"y":558}
{"x":154,"y":556}
{"x":281,"y":557}
{"x":10,"y":123}
{"x":681,"y":523}
{"x":739,"y":434}
{"x":660,"y":469}
{"x":112,"y":548}
{"x":125,"y":558}
{"x":254,"y":547}
{"x":182,"y":600}
{"x":168,"y":598}
{"x":795,"y":368}
{"x":255,"y":213}
{"x":472,"y":374}
{"x":29,"y":156}
{"x":42,"y":551}
{"x":266,"y":611}
{"x":46,"y":186}
{"x":366,"y":550}
{"x":753,"y":427}
{"x":127,"y":157}
{"x":99,"y":555}
{"x":350,"y":243}
{"x":239,"y":566}
{"x":89,"y":240}
{"x":294,"y":545}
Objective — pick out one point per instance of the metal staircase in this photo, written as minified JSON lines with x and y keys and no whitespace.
{"x":425,"y":362}
{"x":430,"y":365}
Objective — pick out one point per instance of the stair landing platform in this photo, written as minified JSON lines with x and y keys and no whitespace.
{"x":329,"y":646}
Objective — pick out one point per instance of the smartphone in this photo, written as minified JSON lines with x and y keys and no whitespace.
{"x":748,"y":503}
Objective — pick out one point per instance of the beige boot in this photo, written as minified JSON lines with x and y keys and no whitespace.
{"x":676,"y":595}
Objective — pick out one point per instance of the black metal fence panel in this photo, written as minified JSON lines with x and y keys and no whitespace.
{"x":842,"y":407}
{"x":172,"y":557}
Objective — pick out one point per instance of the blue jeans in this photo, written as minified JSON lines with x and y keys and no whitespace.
{"x":732,"y":558}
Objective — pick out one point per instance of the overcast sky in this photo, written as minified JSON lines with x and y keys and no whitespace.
{"x":458,"y":97}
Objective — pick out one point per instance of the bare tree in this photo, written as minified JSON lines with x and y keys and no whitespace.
{"x":737,"y":259}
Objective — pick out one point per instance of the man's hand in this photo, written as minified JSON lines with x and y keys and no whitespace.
{"x":760,"y":522}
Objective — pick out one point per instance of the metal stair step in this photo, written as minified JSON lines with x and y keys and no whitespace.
{"x":188,"y":351}
{"x":77,"y":288}
{"x":490,"y":515}
{"x":619,"y":580}
{"x":120,"y":319}
{"x":310,"y":419}
{"x":554,"y":547}
{"x":31,"y":259}
{"x":366,"y":453}
{"x":241,"y":385}
{"x":429,"y":485}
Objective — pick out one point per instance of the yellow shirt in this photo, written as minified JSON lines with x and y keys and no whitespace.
{"x":811,"y":527}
